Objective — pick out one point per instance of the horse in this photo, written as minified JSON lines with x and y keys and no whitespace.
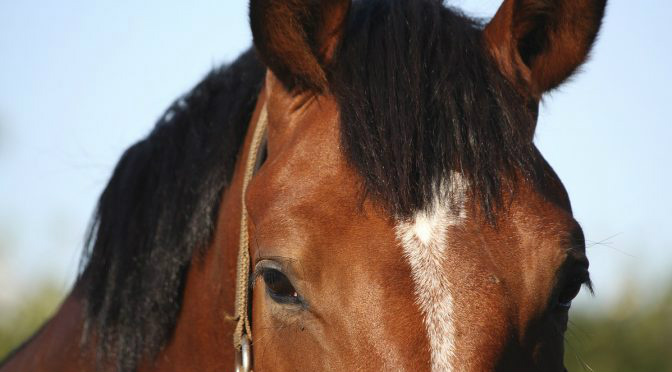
{"x":358,"y":191}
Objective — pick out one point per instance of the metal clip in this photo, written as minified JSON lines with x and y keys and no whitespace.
{"x":243,"y":356}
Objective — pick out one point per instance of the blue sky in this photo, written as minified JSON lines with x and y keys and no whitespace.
{"x":80,"y":81}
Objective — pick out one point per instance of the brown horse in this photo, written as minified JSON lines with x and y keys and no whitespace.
{"x":399,"y":216}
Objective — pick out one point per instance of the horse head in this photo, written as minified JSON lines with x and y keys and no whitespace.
{"x":361,"y":192}
{"x":403,"y":219}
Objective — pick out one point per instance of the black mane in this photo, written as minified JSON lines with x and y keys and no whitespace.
{"x":159,"y":208}
{"x":420,"y":98}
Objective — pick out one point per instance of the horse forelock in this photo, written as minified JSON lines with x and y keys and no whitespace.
{"x":420,"y":98}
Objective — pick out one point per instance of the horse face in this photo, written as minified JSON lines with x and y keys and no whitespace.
{"x":342,"y":283}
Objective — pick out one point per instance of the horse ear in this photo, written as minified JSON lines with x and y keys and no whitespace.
{"x":540,"y":43}
{"x":296,"y":39}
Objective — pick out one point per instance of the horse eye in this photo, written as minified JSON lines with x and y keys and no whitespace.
{"x":279,"y":288}
{"x":568,"y":294}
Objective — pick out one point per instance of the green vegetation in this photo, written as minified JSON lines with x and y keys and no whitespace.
{"x":631,"y":337}
{"x":19,"y":322}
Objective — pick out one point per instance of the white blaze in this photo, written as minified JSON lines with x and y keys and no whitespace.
{"x":423,"y":239}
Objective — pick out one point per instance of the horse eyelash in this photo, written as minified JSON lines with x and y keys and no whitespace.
{"x":254,"y":275}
